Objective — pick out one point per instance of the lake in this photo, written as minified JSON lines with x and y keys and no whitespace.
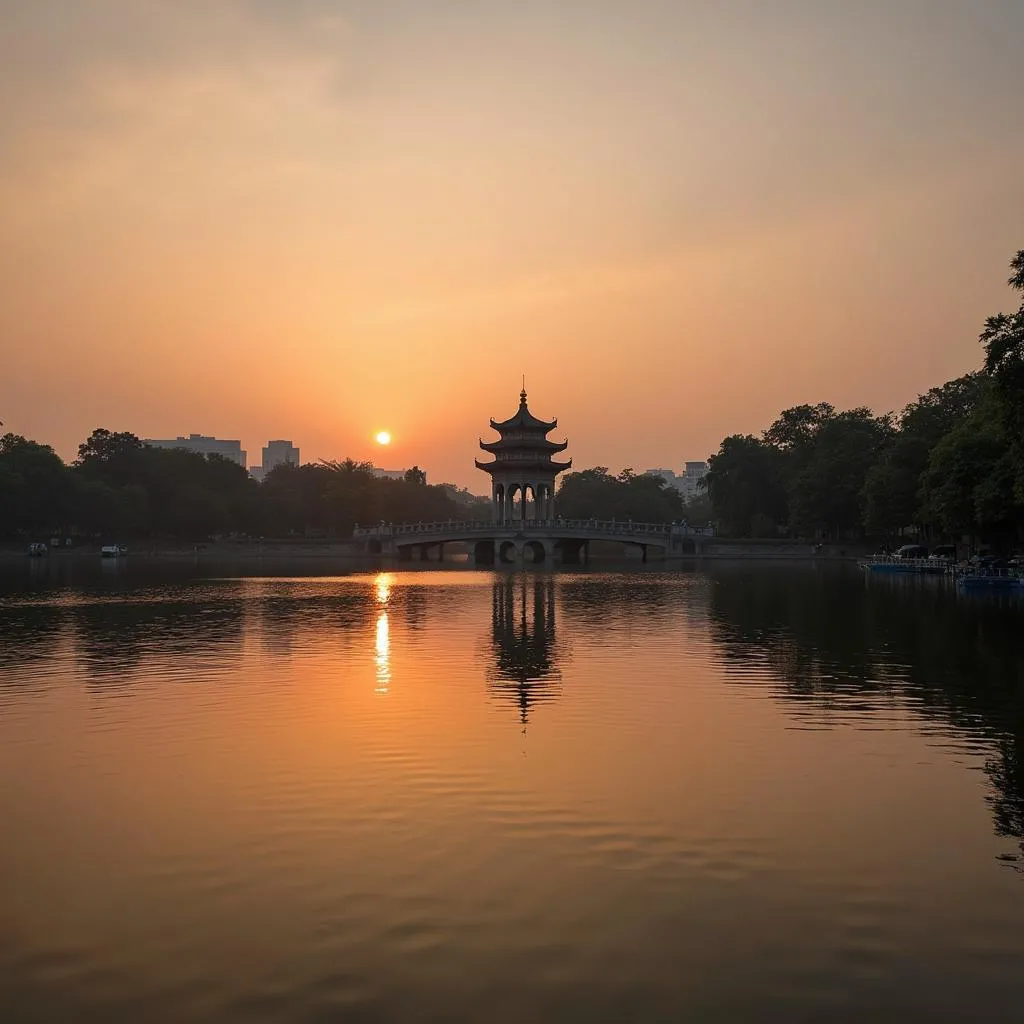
{"x":764,"y":792}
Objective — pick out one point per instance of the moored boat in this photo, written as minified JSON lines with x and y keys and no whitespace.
{"x":972,"y":577}
{"x":924,"y":566}
{"x":113,"y":551}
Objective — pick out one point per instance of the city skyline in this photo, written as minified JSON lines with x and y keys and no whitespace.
{"x":349,"y":219}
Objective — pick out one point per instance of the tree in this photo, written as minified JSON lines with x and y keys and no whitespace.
{"x":596,"y":494}
{"x":746,"y":486}
{"x":796,"y":428}
{"x":968,"y":485}
{"x":826,"y":491}
{"x":112,"y":456}
{"x":699,"y":510}
{"x":34,"y":487}
{"x":892,"y":489}
{"x":1003,"y":341}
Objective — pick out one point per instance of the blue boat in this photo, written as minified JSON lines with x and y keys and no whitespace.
{"x":987,"y":578}
{"x":922,"y":566}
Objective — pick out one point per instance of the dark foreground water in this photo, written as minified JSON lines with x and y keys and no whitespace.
{"x":755,"y":793}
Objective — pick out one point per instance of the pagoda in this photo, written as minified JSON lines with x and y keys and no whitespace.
{"x":523,"y":467}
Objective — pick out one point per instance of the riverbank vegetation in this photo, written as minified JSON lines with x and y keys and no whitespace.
{"x":121,"y":488}
{"x":950,"y":464}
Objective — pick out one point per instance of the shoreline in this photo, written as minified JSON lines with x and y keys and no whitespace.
{"x":350,"y":550}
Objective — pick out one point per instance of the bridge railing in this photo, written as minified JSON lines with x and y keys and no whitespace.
{"x":579,"y":527}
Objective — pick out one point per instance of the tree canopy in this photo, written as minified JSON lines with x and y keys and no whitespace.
{"x":596,"y":494}
{"x":951,"y":463}
{"x":120,"y":488}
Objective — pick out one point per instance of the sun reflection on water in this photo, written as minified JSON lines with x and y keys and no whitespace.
{"x":382,"y":584}
{"x":382,"y":639}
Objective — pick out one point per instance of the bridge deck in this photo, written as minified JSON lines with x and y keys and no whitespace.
{"x":412,"y":533}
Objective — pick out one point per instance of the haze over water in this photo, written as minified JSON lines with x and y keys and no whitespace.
{"x":757,"y":793}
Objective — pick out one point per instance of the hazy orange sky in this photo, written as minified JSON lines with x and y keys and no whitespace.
{"x":317,"y":219}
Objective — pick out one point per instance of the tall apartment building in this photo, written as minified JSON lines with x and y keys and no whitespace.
{"x":203,"y":445}
{"x":279,"y":453}
{"x":690,"y":482}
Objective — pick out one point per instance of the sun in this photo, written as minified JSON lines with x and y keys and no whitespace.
{"x":383,"y":437}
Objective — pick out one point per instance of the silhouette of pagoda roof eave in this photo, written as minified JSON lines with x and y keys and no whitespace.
{"x":517,"y":467}
{"x":523,"y":418}
{"x":538,"y":445}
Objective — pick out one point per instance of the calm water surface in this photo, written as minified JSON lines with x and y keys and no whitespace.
{"x":751,"y":793}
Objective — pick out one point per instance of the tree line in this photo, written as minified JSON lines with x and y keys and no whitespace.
{"x":643,"y":497}
{"x":951,"y":464}
{"x":120,"y":488}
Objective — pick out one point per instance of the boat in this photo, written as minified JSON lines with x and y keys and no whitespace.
{"x":989,"y":577}
{"x":922,"y":566}
{"x":912,"y":558}
{"x":113,"y":551}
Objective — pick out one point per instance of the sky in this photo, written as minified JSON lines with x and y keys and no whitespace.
{"x":319,"y":219}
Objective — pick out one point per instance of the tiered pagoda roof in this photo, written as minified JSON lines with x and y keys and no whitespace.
{"x":523,"y":445}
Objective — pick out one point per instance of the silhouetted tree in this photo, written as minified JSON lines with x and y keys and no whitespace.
{"x":34,"y":487}
{"x":596,"y":494}
{"x":746,"y":486}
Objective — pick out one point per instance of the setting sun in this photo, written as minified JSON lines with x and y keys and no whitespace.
{"x":383,"y":437}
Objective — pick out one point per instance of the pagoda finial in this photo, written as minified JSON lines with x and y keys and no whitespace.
{"x":522,"y":394}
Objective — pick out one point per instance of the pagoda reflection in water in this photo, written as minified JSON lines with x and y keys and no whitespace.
{"x":523,"y":647}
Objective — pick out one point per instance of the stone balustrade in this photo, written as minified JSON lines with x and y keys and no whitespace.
{"x":553,"y":527}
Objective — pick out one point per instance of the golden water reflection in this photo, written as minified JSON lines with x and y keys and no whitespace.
{"x":382,"y":654}
{"x":382,"y":637}
{"x":382,"y":584}
{"x":755,"y":792}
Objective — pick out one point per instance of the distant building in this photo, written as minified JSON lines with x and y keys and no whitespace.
{"x":463,"y":495}
{"x":256,"y":472}
{"x":393,"y":474}
{"x":279,"y":453}
{"x":667,"y":475}
{"x":688,"y":484}
{"x":202,"y":445}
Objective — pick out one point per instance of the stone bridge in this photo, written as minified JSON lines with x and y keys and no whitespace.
{"x":530,"y":540}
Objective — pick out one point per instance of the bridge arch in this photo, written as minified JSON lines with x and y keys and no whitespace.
{"x":536,"y":551}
